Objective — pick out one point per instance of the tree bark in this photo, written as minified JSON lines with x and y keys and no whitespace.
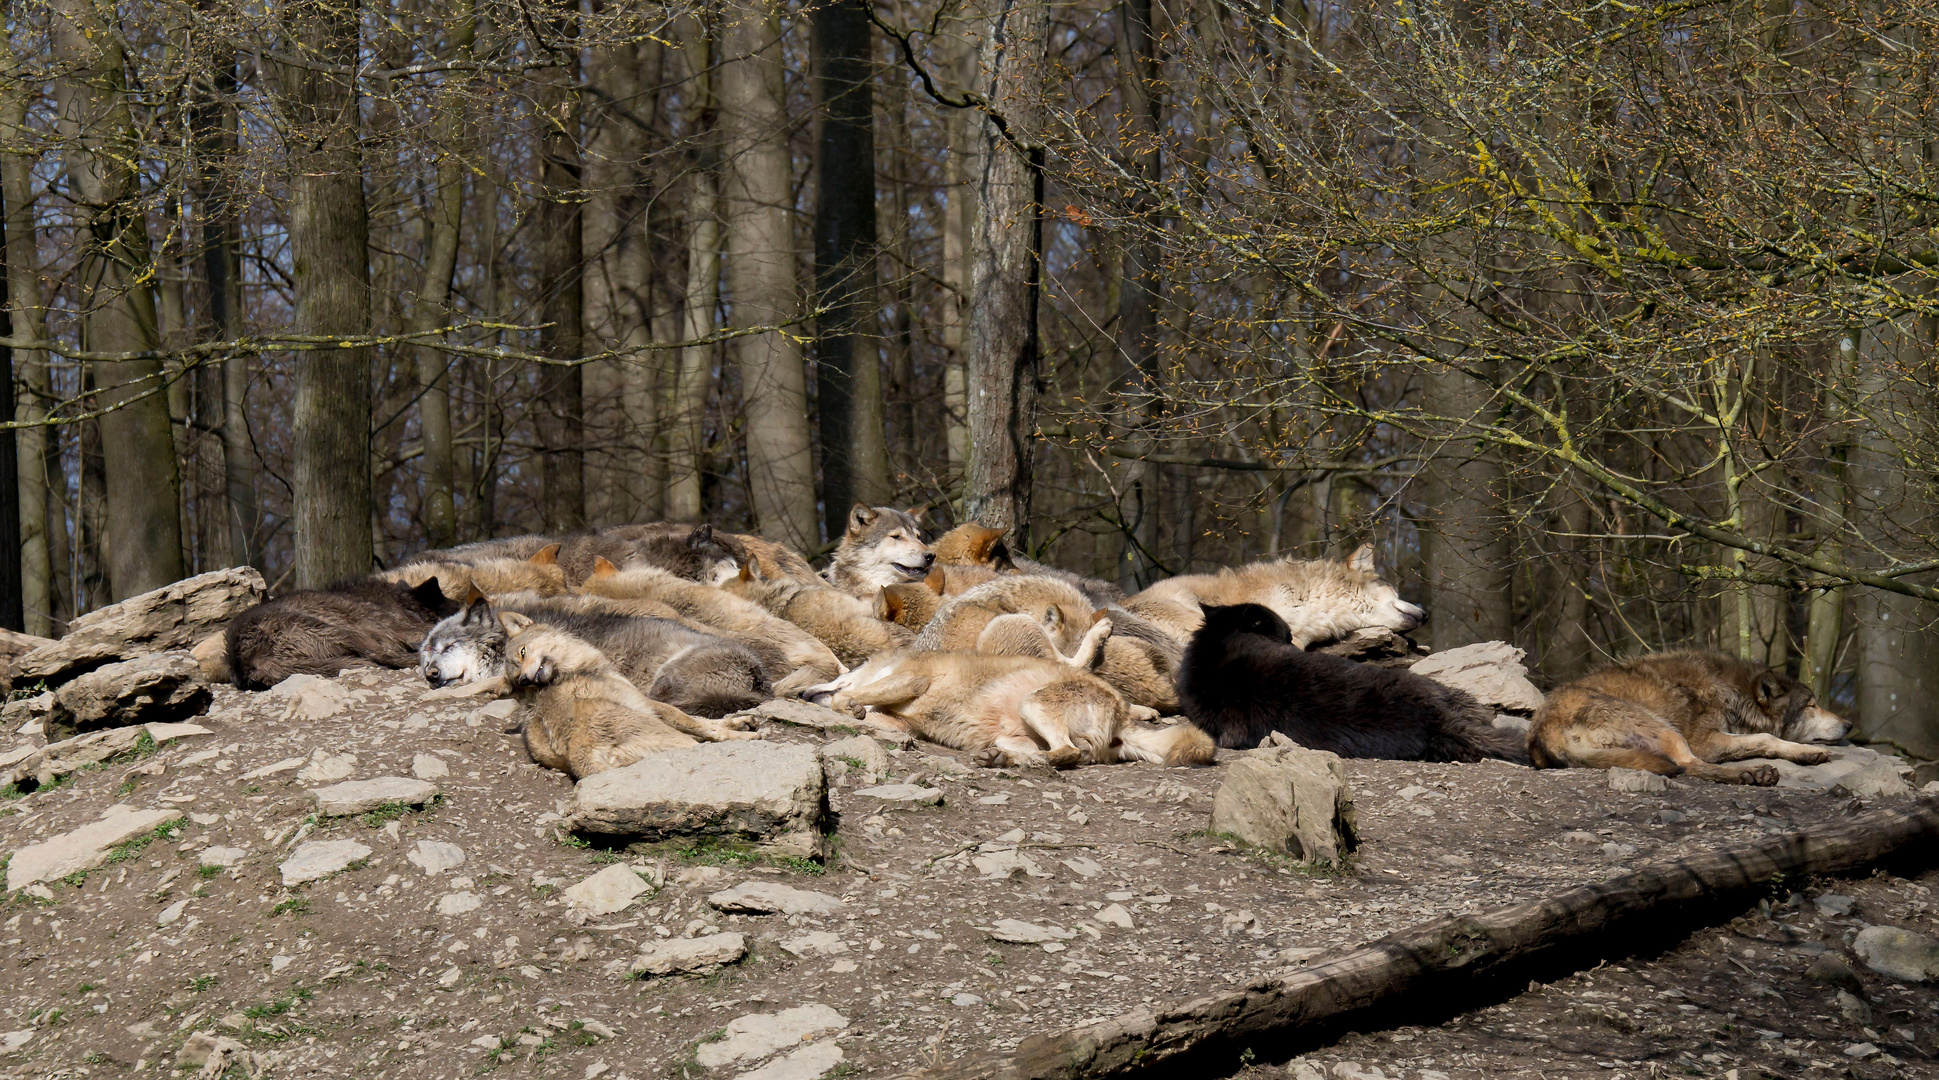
{"x":142,"y":488}
{"x":561,"y":268}
{"x":1138,"y":378}
{"x":329,"y":241}
{"x":961,"y":170}
{"x":431,"y":307}
{"x":848,"y":371}
{"x":27,"y":316}
{"x":686,"y":397}
{"x":759,"y":262}
{"x":1001,"y":367}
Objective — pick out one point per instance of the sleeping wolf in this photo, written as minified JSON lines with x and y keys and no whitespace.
{"x":973,"y":546}
{"x":540,"y":572}
{"x":697,"y":673}
{"x":1243,"y":678}
{"x":846,"y":625}
{"x":882,"y":546}
{"x":1318,"y":599}
{"x":323,"y":631}
{"x":1683,"y":712}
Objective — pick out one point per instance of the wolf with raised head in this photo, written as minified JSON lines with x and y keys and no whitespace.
{"x":1682,"y":713}
{"x":882,"y":546}
{"x":323,"y":631}
{"x":1244,"y":677}
{"x":1318,"y":599}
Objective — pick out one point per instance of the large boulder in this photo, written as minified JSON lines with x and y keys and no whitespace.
{"x":165,"y":688}
{"x":172,"y":617}
{"x":1492,"y":671}
{"x":770,"y":793}
{"x":1285,"y":798}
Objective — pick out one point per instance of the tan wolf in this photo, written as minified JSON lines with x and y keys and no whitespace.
{"x":1007,"y":709}
{"x":491,"y":575}
{"x":973,"y":545}
{"x":849,"y":627}
{"x":581,"y":715}
{"x":910,"y":606}
{"x":1320,"y":599}
{"x":1683,"y":712}
{"x":882,"y":546}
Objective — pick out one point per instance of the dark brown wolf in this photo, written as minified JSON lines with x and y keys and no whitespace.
{"x":1243,"y":679}
{"x":1683,"y":712}
{"x":323,"y":631}
{"x":882,"y":546}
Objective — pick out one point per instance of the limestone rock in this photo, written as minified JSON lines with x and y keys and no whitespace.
{"x":321,"y":858}
{"x":167,"y":733}
{"x":312,"y":697}
{"x":1018,"y":932}
{"x":1860,"y":770}
{"x":429,"y":767}
{"x":1490,"y":670}
{"x":459,"y":903}
{"x":767,"y":897}
{"x":816,"y":943}
{"x":910,"y":794}
{"x":1286,"y":798}
{"x":55,"y":760}
{"x":821,"y":718}
{"x":1114,"y":915}
{"x":1877,"y":779}
{"x":689,"y":954}
{"x":757,"y":1035}
{"x":363,"y":796}
{"x":436,"y":856}
{"x":172,"y":617}
{"x":220,"y":856}
{"x":14,"y":644}
{"x":1905,"y":955}
{"x":214,"y":1055}
{"x":84,"y":848}
{"x":1636,"y":781}
{"x":770,"y":793}
{"x":162,"y":688}
{"x":808,"y":1063}
{"x":610,"y":890}
{"x":859,"y":752}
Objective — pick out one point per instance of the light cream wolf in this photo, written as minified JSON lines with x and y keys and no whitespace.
{"x":849,"y":627}
{"x":491,"y":575}
{"x":809,"y":660}
{"x":1320,"y":599}
{"x":1007,"y":710}
{"x":882,"y":546}
{"x":581,"y":715}
{"x":1063,"y":613}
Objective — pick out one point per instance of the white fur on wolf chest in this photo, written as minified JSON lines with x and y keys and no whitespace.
{"x":1286,"y":798}
{"x":770,"y":793}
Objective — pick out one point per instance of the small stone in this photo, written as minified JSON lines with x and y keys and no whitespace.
{"x":321,"y":858}
{"x":451,"y":976}
{"x":312,"y":697}
{"x":816,"y":943}
{"x":1083,"y":867}
{"x":1905,"y":955}
{"x":997,"y":865}
{"x":324,"y":768}
{"x":363,"y":796}
{"x":224,"y":857}
{"x":1636,"y":781}
{"x":14,"y":1040}
{"x":689,"y":954}
{"x":1298,"y":954}
{"x":1114,"y":915}
{"x":429,"y":767}
{"x":596,"y":1029}
{"x":1671,"y":817}
{"x":282,"y":766}
{"x":171,"y":913}
{"x":843,"y":967}
{"x":1578,"y":836}
{"x":1018,"y":932}
{"x":756,"y":1035}
{"x":459,"y":903}
{"x":1833,"y":904}
{"x":766,"y":897}
{"x":965,"y":998}
{"x":1618,"y":851}
{"x":861,"y":752}
{"x":1861,"y":1051}
{"x":1854,"y":1008}
{"x":699,"y":875}
{"x":608,"y":891}
{"x":807,"y":1063}
{"x":278,"y":962}
{"x":167,"y":733}
{"x":911,"y":794}
{"x":84,"y":848}
{"x":1876,"y":779}
{"x":214,"y":1055}
{"x":435,"y":856}
{"x":1830,"y":969}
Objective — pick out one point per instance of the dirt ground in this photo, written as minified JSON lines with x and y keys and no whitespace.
{"x":379,"y":971}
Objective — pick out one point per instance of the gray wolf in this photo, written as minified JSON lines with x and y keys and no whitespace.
{"x":698,"y":673}
{"x":693,"y":552}
{"x":581,"y":715}
{"x":1319,"y":599}
{"x":1007,"y":709}
{"x":1243,"y":678}
{"x":849,"y":627}
{"x":882,"y":546}
{"x":779,"y":560}
{"x":1683,"y":712}
{"x":539,"y":572}
{"x":972,"y":546}
{"x":323,"y":631}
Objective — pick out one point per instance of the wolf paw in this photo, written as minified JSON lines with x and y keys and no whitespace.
{"x":1144,"y":713}
{"x":991,"y":758}
{"x":1067,"y":758}
{"x":1757,"y":775}
{"x":1812,"y":757}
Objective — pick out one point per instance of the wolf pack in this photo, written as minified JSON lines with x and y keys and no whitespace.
{"x":622,"y":642}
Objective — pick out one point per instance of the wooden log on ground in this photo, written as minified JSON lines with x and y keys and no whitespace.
{"x":1457,"y":960}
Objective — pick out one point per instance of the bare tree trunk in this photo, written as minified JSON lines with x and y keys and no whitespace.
{"x":686,"y":395}
{"x":329,"y":240}
{"x":1824,"y":624}
{"x":143,"y":494}
{"x":27,"y":318}
{"x":1138,"y":378}
{"x":1002,"y":362}
{"x":760,"y":271}
{"x":560,"y":255}
{"x":848,"y":370}
{"x":959,"y":220}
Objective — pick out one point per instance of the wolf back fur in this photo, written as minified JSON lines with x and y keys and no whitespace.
{"x":849,"y":627}
{"x":1683,"y":712}
{"x":492,"y":575}
{"x":693,"y":552}
{"x":1064,"y":613}
{"x":323,"y":631}
{"x":1318,"y":599}
{"x":1243,"y":678}
{"x":909,"y":606}
{"x":978,"y":546}
{"x":882,"y":546}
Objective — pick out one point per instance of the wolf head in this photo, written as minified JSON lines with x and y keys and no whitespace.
{"x":1321,"y":600}
{"x":1224,"y":621}
{"x":971,"y":544}
{"x":1791,"y":711}
{"x":883,"y":546}
{"x":464,"y":647}
{"x":539,"y":655}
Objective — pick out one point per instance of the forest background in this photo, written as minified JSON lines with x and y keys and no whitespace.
{"x":1611,"y":326}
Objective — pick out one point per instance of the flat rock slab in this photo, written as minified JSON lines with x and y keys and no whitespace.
{"x":1492,"y":671}
{"x":808,"y":1063}
{"x":689,"y":954}
{"x":911,"y":794}
{"x":167,"y":733}
{"x":220,"y":856}
{"x":58,"y":759}
{"x":1018,"y":932}
{"x":320,"y":858}
{"x":172,"y":617}
{"x":1905,"y":955}
{"x":363,"y":796}
{"x":429,"y":767}
{"x":859,"y":752}
{"x":768,"y":898}
{"x":758,"y":1035}
{"x":816,"y":943}
{"x":610,"y":890}
{"x":164,"y":688}
{"x":1860,"y":770}
{"x":436,"y":856}
{"x":1636,"y":781}
{"x":821,"y":718}
{"x":84,"y":848}
{"x":312,"y":697}
{"x":771,"y":793}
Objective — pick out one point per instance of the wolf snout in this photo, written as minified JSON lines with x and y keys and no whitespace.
{"x":436,"y":680}
{"x":1413,"y":613}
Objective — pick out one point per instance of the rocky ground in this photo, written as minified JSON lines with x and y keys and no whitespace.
{"x":455,"y":938}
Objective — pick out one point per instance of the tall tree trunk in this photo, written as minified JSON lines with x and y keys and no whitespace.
{"x":13,"y":614}
{"x":685,"y":408}
{"x":616,"y":276}
{"x":848,"y":370}
{"x":759,"y":260}
{"x":961,"y":171}
{"x":1464,"y":539}
{"x":432,"y":305}
{"x":215,"y":124}
{"x":142,"y":489}
{"x":1001,"y":367}
{"x":1139,"y":379}
{"x":26,"y":317}
{"x":329,"y":241}
{"x":561,"y":389}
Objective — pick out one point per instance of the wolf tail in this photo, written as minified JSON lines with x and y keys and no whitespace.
{"x":1180,"y":744}
{"x":1471,"y":735}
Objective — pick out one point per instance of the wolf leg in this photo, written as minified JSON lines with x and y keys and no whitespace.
{"x":1011,"y":750}
{"x":1653,"y":749}
{"x":1045,"y":717}
{"x":1723,"y":746}
{"x":698,"y":727}
{"x":495,"y":686}
{"x":1087,"y":649}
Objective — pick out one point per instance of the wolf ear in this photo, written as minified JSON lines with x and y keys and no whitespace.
{"x":920,"y":512}
{"x":937,"y":581}
{"x":861,"y":516}
{"x":1769,"y":688}
{"x":701,"y":535}
{"x":982,"y":539}
{"x":477,"y":607}
{"x":747,"y":570}
{"x":1099,"y":616}
{"x":1053,"y":618}
{"x":547,"y":556}
{"x":887,"y":605}
{"x":1361,"y":559}
{"x":603,"y":567}
{"x":514,"y":623}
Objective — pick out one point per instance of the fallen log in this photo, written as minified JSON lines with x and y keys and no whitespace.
{"x":1450,"y":965}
